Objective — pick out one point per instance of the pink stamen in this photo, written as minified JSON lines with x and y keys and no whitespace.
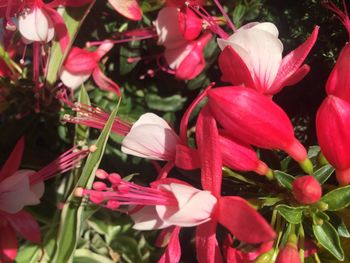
{"x":125,"y":193}
{"x":212,"y":23}
{"x":62,"y":164}
{"x":95,"y":118}
{"x":223,"y":12}
{"x":120,"y":41}
{"x":343,"y":16}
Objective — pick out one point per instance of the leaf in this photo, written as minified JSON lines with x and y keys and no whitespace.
{"x":324,"y":173}
{"x":292,"y":214}
{"x":343,"y":230}
{"x":338,"y":198}
{"x":329,"y":239}
{"x":172,"y":103}
{"x":28,"y":254}
{"x":86,"y":256}
{"x":72,"y":213}
{"x":284,"y":179}
{"x":73,"y":18}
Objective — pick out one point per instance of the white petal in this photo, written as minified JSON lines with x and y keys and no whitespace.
{"x":38,"y":189}
{"x":147,"y":219}
{"x":151,"y":137}
{"x":73,"y":81}
{"x":175,"y":56}
{"x":15,"y":192}
{"x":268,"y":27}
{"x":35,"y":25}
{"x":167,"y":28}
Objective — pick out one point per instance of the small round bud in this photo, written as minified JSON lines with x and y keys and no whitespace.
{"x":101,"y":174}
{"x":307,"y":190}
{"x":93,"y":148}
{"x":288,"y":254}
{"x":79,"y":192}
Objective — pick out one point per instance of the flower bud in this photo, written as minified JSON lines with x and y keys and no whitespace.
{"x":189,"y":23}
{"x":332,"y":120}
{"x":307,"y":190}
{"x":288,"y":254}
{"x":255,"y":119}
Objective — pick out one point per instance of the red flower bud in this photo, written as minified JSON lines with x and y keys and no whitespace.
{"x":288,"y":254}
{"x":254,"y":119}
{"x":307,"y":190}
{"x":190,"y":24}
{"x":332,"y":127}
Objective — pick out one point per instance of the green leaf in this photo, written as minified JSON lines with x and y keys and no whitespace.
{"x":73,"y":18}
{"x":72,"y":213}
{"x":338,"y":198}
{"x":86,"y":256}
{"x":324,"y":173}
{"x":28,"y":254}
{"x":284,"y":179}
{"x":293,"y":215}
{"x":329,"y":239}
{"x":172,"y":103}
{"x":238,"y":14}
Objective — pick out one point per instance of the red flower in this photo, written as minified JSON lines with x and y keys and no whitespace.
{"x":307,"y":190}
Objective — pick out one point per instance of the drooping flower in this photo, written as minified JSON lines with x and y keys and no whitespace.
{"x":332,"y":121}
{"x":307,"y":190}
{"x":19,"y":188}
{"x":80,"y":64}
{"x":252,"y":56}
{"x":240,"y":111}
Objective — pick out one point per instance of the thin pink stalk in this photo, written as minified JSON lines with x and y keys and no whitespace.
{"x":223,"y":12}
{"x":64,"y":163}
{"x":343,"y":16}
{"x":120,"y":41}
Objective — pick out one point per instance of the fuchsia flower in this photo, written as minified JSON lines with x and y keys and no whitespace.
{"x":255,"y":119}
{"x":80,"y":64}
{"x":332,"y":121}
{"x":307,"y":190}
{"x":19,"y":188}
{"x":252,"y":56}
{"x":183,"y":50}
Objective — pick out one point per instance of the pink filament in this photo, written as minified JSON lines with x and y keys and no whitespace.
{"x":342,"y":16}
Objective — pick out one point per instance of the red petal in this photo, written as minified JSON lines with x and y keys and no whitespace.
{"x":208,"y":250}
{"x":233,"y":68}
{"x":338,"y":83}
{"x":186,"y":158}
{"x":80,"y":61}
{"x":72,"y":3}
{"x":172,"y":253}
{"x":105,"y":83}
{"x":207,"y":137}
{"x":296,"y":77}
{"x":243,"y":221}
{"x":292,"y":62}
{"x":25,"y":224}
{"x":8,"y":243}
{"x":164,"y":237}
{"x":61,"y":32}
{"x":128,"y":8}
{"x":190,"y":24}
{"x":13,"y":161}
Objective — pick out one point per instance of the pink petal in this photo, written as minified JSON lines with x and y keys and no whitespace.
{"x":128,"y":8}
{"x":13,"y":161}
{"x":15,"y":192}
{"x":189,"y":23}
{"x":172,"y":253}
{"x":72,"y":3}
{"x":25,"y":224}
{"x":147,"y":219}
{"x":103,"y":49}
{"x":60,"y":27}
{"x":38,"y":189}
{"x":105,"y":83}
{"x":296,"y":77}
{"x":186,"y":158}
{"x":233,"y":68}
{"x":164,"y":237}
{"x":292,"y":62}
{"x":243,"y":221}
{"x":207,"y":247}
{"x":80,"y":61}
{"x":194,"y":206}
{"x":8,"y":243}
{"x":169,"y":34}
{"x":207,"y":138}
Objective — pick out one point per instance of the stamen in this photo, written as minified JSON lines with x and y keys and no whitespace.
{"x":125,"y":193}
{"x":223,"y":12}
{"x":67,"y":161}
{"x":343,"y":16}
